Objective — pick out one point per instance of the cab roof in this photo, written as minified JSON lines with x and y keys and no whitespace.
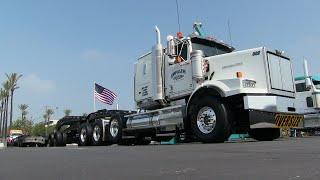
{"x":210,"y":41}
{"x":314,"y":78}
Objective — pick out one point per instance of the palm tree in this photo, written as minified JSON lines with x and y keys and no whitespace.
{"x":48,"y":114}
{"x":67,"y":112}
{"x":6,"y":87}
{"x":13,"y":84}
{"x":45,"y":117}
{"x":23,"y":108}
{"x":2,"y":97}
{"x":1,"y":110}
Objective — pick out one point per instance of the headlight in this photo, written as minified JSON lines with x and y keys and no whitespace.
{"x":246,"y":83}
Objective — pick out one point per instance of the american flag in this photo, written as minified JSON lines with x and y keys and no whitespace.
{"x":104,"y":95}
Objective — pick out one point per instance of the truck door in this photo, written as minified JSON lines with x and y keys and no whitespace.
{"x":178,"y":81}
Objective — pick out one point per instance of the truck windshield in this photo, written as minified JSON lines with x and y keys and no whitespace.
{"x":15,"y":135}
{"x":316,"y":84}
{"x":209,"y":47}
{"x":208,"y":50}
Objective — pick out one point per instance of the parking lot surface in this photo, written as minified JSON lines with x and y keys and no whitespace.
{"x":286,"y":158}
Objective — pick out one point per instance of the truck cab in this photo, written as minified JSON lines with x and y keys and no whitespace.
{"x":306,"y":102}
{"x":179,"y":75}
{"x":215,"y":90}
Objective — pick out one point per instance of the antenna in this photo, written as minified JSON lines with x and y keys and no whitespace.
{"x":178,"y":14}
{"x":229,"y":30}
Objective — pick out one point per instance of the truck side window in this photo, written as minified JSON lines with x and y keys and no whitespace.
{"x":144,"y":69}
{"x":309,"y":101}
{"x":182,"y":53}
{"x":301,"y":87}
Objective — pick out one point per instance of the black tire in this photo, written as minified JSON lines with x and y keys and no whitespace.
{"x":97,"y":133}
{"x":85,"y":137}
{"x":64,"y":139}
{"x":216,"y":133}
{"x":114,"y":130}
{"x":51,"y":140}
{"x":58,"y":138}
{"x":265,"y":134}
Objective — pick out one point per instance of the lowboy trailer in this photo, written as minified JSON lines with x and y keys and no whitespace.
{"x":98,"y":128}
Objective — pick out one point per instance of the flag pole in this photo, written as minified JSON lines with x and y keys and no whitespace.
{"x":117,"y":100}
{"x":94,"y":97}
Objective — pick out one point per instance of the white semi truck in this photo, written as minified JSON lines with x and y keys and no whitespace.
{"x":308,"y":100}
{"x":201,"y":88}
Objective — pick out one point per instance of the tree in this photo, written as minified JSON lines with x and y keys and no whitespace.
{"x":67,"y":112}
{"x":25,"y":125}
{"x":48,"y":114}
{"x":13,"y":85}
{"x":6,"y":87}
{"x":2,"y":97}
{"x":39,"y":129}
{"x":45,"y":117}
{"x":23,"y":108}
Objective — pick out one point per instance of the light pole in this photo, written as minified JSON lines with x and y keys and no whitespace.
{"x":45,"y":122}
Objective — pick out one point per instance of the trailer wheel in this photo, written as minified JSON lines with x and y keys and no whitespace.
{"x":97,"y":133}
{"x":115,"y":130}
{"x":64,"y":139}
{"x":58,"y":138}
{"x":85,"y":134}
{"x":50,"y":141}
{"x":265,"y":134}
{"x":210,"y":120}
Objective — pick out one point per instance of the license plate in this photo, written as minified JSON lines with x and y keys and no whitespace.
{"x":288,"y":121}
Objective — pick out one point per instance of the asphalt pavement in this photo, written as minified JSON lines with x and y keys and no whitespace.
{"x":286,"y":158}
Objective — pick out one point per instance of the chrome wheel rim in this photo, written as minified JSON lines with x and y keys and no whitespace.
{"x":83,"y":135}
{"x":114,"y":128}
{"x":206,"y":120}
{"x":96,"y":133}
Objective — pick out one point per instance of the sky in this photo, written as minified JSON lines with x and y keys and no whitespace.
{"x":62,"y":47}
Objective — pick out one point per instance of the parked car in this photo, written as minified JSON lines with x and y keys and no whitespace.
{"x":13,"y":134}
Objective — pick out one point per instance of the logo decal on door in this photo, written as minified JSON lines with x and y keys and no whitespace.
{"x":178,"y":74}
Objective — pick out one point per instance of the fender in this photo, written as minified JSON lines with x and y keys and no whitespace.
{"x":216,"y":86}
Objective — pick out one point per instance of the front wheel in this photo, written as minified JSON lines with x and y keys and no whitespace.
{"x":265,"y":134}
{"x":210,"y":120}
